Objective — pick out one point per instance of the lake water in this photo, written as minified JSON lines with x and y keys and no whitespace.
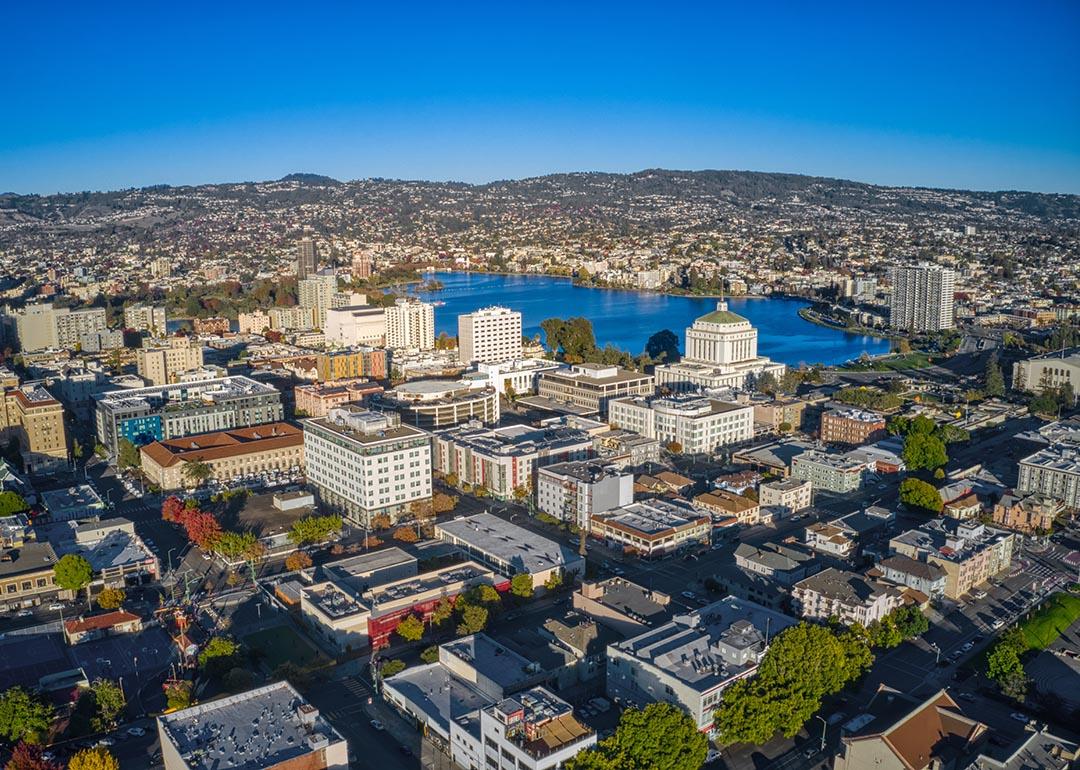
{"x":628,"y":318}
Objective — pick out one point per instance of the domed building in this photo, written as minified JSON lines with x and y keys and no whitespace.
{"x":721,"y":352}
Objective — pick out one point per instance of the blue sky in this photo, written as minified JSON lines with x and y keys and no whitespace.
{"x":975,"y":95}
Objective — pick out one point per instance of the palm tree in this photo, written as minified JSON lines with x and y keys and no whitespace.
{"x":196,"y":472}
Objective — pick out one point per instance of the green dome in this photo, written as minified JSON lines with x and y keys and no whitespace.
{"x":723,"y":317}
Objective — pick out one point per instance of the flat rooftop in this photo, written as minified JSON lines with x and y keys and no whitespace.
{"x":652,"y":518}
{"x":361,"y":568}
{"x":256,"y":729}
{"x":363,"y":426}
{"x":523,"y":550}
{"x":494,"y":661}
{"x":80,"y":496}
{"x":434,"y":692}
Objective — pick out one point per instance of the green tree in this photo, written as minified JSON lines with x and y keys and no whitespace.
{"x":910,"y":621}
{"x":554,"y":581}
{"x":994,"y":381}
{"x":916,"y":493}
{"x":74,"y":573}
{"x":314,"y":529}
{"x":97,"y":758}
{"x":473,"y":620}
{"x":178,"y":695}
{"x":23,"y":717}
{"x":12,"y":503}
{"x":884,"y":633}
{"x":443,"y":611}
{"x":238,"y":679}
{"x":195,"y":472}
{"x":127,"y":454}
{"x":410,"y":629}
{"x":659,"y":737}
{"x":109,"y":704}
{"x":218,"y":655}
{"x":663,"y":346}
{"x":521,"y":585}
{"x":766,"y":383}
{"x":430,"y":654}
{"x":112,"y":598}
{"x":922,"y":451}
{"x":392,"y":667}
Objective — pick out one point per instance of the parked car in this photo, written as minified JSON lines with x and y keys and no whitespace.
{"x":375,"y":723}
{"x":689,"y":595}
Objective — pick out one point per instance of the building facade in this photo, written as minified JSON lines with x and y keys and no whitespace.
{"x":489,"y":335}
{"x":351,"y":363}
{"x":160,"y":362}
{"x":692,"y":424}
{"x":832,"y":472}
{"x":848,"y":596}
{"x":922,"y":298}
{"x":652,"y":528}
{"x":576,"y":491}
{"x":410,"y":325}
{"x":851,"y":426}
{"x":792,"y":494}
{"x":145,"y":318}
{"x":968,"y":552}
{"x":593,"y":386}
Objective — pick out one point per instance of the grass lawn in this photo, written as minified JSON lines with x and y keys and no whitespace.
{"x":915,"y":360}
{"x":282,"y":644}
{"x":1051,"y":621}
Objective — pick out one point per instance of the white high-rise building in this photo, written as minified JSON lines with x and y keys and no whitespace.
{"x":922,"y":298}
{"x":317,"y":292}
{"x":488,"y":335}
{"x":721,"y":352}
{"x":410,"y":325}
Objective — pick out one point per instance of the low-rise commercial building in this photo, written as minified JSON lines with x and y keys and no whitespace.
{"x":832,"y":472}
{"x":87,"y":629}
{"x":316,"y":400}
{"x":652,"y":528}
{"x":851,"y":426}
{"x":576,"y":491}
{"x":689,"y":424}
{"x":723,"y":503}
{"x":624,"y":607}
{"x":690,"y":661}
{"x":792,"y":494}
{"x":365,"y":463}
{"x":970,"y":553}
{"x":510,"y":549}
{"x":268,"y":727}
{"x":27,"y":578}
{"x":594,"y":386}
{"x":848,"y":596}
{"x":228,"y":454}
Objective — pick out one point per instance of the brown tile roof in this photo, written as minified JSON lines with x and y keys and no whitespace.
{"x":97,"y":622}
{"x":223,"y":444}
{"x":674,"y":479}
{"x":727,"y":501}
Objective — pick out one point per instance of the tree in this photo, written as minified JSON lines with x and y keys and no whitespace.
{"x":391,"y":667}
{"x":314,"y":529}
{"x":178,"y":695}
{"x":994,"y":381}
{"x":916,"y":493}
{"x":202,"y":528}
{"x":97,"y":758}
{"x":443,"y":503}
{"x":452,"y":479}
{"x":195,"y":472}
{"x":484,"y":594}
{"x":884,"y":633}
{"x":766,"y":383}
{"x":473,"y":620}
{"x":219,"y":655}
{"x":784,"y":427}
{"x":74,"y":573}
{"x":23,"y":717}
{"x":127,"y":454}
{"x":922,"y":451}
{"x":372,"y":542}
{"x":238,"y":679}
{"x":910,"y":621}
{"x":109,"y":704}
{"x":674,"y":447}
{"x":430,"y":654}
{"x":12,"y":503}
{"x":27,"y":756}
{"x":659,"y":737}
{"x":297,"y":560}
{"x":521,"y":585}
{"x":406,"y":534}
{"x":443,"y":611}
{"x":239,"y":545}
{"x":173,"y":509}
{"x":663,"y":346}
{"x":411,"y":629}
{"x":380,"y":522}
{"x":112,"y":598}
{"x":554,"y":581}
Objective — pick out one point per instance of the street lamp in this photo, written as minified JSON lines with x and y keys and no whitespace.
{"x":824,"y":725}
{"x":169,"y":556}
{"x":937,"y":653}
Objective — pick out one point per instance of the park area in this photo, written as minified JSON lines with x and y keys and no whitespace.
{"x":281,"y":644}
{"x":1050,"y":621}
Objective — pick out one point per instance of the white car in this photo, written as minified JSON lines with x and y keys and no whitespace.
{"x":689,"y":595}
{"x":138,"y":732}
{"x":999,"y":623}
{"x":1019,"y":717}
{"x":712,"y":756}
{"x":375,"y":723}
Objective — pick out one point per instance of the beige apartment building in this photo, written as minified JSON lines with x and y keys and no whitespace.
{"x":164,"y":360}
{"x":969,"y":552}
{"x":779,"y":412}
{"x":792,"y":494}
{"x":27,"y":578}
{"x":229,"y":453}
{"x":36,"y":420}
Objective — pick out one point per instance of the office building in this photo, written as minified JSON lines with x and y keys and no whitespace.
{"x":721,"y":352}
{"x":575,"y":491}
{"x":44,"y":326}
{"x":505,"y":460}
{"x":365,"y":463}
{"x":268,"y":727}
{"x":229,"y":454}
{"x":922,"y":298}
{"x":351,"y":363}
{"x":970,"y":553}
{"x":509,"y":549}
{"x":691,"y":660}
{"x":160,"y":362}
{"x":307,"y":258}
{"x":36,"y":421}
{"x":591,"y":387}
{"x":354,"y":325}
{"x":791,"y":494}
{"x":488,"y":335}
{"x":652,"y":528}
{"x":1052,"y":370}
{"x":687,"y":424}
{"x":851,"y":427}
{"x":145,"y":318}
{"x":517,"y":377}
{"x":847,"y":596}
{"x":143,"y":415}
{"x":440,"y":404}
{"x":833,"y":472}
{"x":410,"y":325}
{"x":72,"y":503}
